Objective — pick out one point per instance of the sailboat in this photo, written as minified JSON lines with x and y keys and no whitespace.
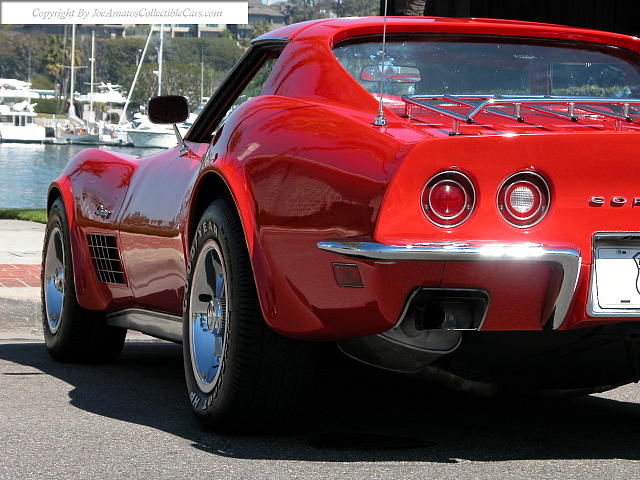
{"x":75,"y":126}
{"x":147,"y":134}
{"x":87,"y":132}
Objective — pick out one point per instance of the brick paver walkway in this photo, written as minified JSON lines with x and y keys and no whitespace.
{"x":19,"y":275}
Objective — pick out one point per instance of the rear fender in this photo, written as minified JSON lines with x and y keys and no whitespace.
{"x":225,"y":179}
{"x":295,"y":183}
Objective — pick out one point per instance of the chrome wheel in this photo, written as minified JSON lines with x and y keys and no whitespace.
{"x":54,"y":280}
{"x":240,"y":375}
{"x":208,"y":314}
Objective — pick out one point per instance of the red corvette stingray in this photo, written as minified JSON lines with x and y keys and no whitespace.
{"x":462,"y":203}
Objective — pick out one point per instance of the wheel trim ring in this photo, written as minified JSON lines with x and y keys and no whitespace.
{"x":53,"y":279}
{"x":199,"y":344}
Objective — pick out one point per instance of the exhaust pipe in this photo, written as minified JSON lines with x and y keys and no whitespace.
{"x":449,"y":309}
{"x":430,"y":327}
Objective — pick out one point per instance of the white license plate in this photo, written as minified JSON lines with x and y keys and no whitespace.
{"x":617,"y":273}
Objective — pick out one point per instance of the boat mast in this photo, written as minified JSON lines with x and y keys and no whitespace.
{"x":92,"y":60}
{"x":73,"y":64}
{"x":160,"y":60}
{"x":135,"y":77}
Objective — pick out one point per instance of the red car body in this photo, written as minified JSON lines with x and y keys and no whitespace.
{"x":318,"y":187}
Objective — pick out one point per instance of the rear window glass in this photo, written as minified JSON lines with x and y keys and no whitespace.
{"x":489,"y":66}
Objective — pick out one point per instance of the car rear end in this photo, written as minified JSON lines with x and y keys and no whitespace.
{"x":544,"y":207}
{"x":518,"y":214}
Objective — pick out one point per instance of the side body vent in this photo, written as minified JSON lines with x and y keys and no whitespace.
{"x":106,"y":258}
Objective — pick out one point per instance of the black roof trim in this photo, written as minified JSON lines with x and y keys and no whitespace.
{"x":270,"y":40}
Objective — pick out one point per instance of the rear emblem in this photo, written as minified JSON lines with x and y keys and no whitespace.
{"x":615,"y":201}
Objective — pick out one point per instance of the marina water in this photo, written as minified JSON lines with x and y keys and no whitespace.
{"x":26,"y":170}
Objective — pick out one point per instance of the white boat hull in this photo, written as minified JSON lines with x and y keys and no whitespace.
{"x":82,"y":139}
{"x":23,"y":134}
{"x":142,"y":138}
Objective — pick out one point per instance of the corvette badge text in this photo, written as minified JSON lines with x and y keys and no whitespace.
{"x":596,"y":201}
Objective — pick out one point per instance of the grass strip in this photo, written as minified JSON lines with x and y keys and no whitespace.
{"x":31,"y":214}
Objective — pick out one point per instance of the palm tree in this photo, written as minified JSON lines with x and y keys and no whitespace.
{"x":404,"y":7}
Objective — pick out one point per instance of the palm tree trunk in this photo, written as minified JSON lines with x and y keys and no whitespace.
{"x":408,"y":7}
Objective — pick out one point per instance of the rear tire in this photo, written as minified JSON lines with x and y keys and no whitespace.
{"x":240,"y":375}
{"x":71,"y":333}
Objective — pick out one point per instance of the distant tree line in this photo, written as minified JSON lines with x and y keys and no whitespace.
{"x":45,"y":60}
{"x":302,"y":10}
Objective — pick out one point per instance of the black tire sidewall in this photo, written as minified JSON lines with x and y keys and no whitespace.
{"x":82,"y":335}
{"x":58,"y":218}
{"x":214,"y":225}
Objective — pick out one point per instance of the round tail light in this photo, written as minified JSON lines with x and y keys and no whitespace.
{"x":523,"y":199}
{"x":448,"y":198}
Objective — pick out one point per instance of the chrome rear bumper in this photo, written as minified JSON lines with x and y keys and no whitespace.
{"x":567,"y":259}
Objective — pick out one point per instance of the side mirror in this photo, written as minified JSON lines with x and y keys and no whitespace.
{"x":168,"y":109}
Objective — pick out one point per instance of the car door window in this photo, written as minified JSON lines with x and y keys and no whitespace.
{"x":253,"y":88}
{"x":245,"y":81}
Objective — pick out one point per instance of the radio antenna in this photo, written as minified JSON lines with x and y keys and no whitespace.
{"x":380,"y":120}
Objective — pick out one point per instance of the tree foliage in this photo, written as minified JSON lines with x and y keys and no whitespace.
{"x":356,"y":8}
{"x":115,"y":57}
{"x":260,"y":28}
{"x":116,"y":62}
{"x":181,"y":64}
{"x":178,"y":78}
{"x":301,"y":10}
{"x":53,"y":58}
{"x":20,"y":54}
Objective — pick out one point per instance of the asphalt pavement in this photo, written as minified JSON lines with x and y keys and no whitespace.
{"x":131,"y":419}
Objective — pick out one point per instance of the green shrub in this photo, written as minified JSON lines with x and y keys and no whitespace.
{"x":48,"y":105}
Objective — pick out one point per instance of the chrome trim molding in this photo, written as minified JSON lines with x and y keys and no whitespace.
{"x":566,"y":258}
{"x":184,"y":149}
{"x":156,"y":324}
{"x":265,"y":40}
{"x":412,"y":296}
{"x":616,"y":239}
{"x":407,"y":304}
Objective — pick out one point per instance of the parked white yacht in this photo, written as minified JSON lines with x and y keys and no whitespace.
{"x":17,"y":124}
{"x":147,"y":134}
{"x":107,"y":93}
{"x":17,"y":118}
{"x":15,"y":91}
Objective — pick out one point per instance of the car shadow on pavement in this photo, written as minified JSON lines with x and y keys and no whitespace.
{"x":355,"y":414}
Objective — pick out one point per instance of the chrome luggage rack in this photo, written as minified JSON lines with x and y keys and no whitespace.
{"x":440,"y":104}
